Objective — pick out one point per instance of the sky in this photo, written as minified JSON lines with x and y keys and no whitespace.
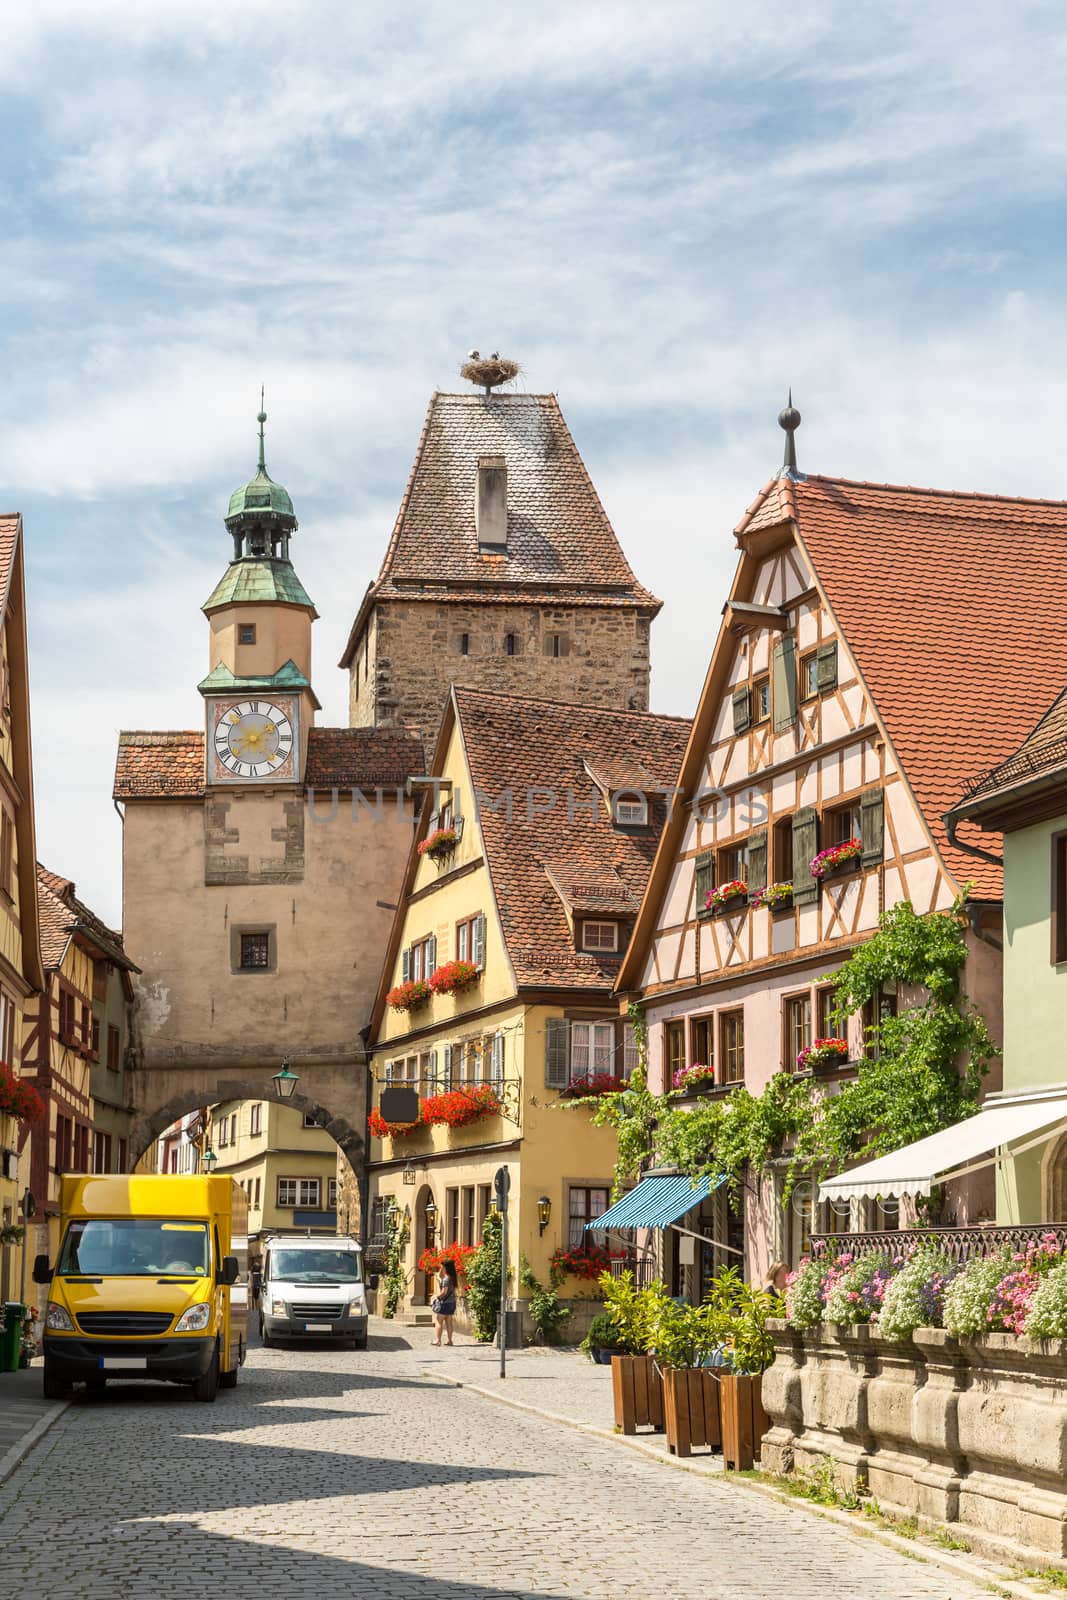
{"x":667,"y":214}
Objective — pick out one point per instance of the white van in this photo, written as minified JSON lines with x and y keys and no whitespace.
{"x":313,"y":1289}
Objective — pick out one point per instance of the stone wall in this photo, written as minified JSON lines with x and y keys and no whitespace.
{"x":969,"y":1434}
{"x":414,"y":651}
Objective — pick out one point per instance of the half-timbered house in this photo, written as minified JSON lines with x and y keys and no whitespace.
{"x":866,"y":666}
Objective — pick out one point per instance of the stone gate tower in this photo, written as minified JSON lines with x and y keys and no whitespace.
{"x":502,"y":572}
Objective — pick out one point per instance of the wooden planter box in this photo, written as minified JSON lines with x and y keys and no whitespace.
{"x":744,"y":1421}
{"x":691,"y":1409}
{"x":637,"y":1391}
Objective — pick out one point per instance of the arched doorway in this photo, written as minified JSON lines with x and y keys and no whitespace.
{"x":1054,"y":1181}
{"x":426,"y":1226}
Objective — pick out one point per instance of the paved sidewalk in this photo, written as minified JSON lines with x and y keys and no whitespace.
{"x":24,"y":1414}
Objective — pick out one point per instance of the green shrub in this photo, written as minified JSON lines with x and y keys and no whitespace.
{"x":602,"y":1335}
{"x":547,"y":1312}
{"x":483,"y":1280}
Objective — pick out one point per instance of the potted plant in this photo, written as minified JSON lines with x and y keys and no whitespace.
{"x":694,"y":1079}
{"x":683,"y":1339}
{"x":727,"y":897}
{"x":409,"y":995}
{"x":454,"y":977}
{"x":439,"y":844}
{"x":823,"y":1053}
{"x":775,"y":896}
{"x":736,"y":1316}
{"x":836,"y":857}
{"x":636,"y":1380}
{"x":602,"y":1340}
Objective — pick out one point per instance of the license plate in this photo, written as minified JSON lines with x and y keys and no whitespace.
{"x":124,"y":1363}
{"x":318,"y":1327}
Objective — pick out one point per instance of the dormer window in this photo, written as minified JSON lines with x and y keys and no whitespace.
{"x":631,"y":810}
{"x":603,"y":936}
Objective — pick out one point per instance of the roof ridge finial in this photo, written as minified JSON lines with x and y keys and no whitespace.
{"x":789,"y":420}
{"x":261,"y":419}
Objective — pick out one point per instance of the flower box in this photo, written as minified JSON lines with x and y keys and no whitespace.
{"x":775,"y":896}
{"x":695,"y":1079}
{"x":691,"y":1409}
{"x":838,"y":859}
{"x":440,"y":844}
{"x":743,"y":1419}
{"x":455,"y":1109}
{"x":408,"y":996}
{"x":585,"y":1261}
{"x":823,"y":1053}
{"x":454,"y":977}
{"x":592,"y":1086}
{"x":18,"y":1098}
{"x":732,"y":896}
{"x":637,"y":1393}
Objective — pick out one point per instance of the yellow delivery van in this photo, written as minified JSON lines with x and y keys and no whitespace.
{"x":143,"y":1286}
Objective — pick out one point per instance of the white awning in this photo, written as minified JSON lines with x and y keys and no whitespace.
{"x":951,"y":1152}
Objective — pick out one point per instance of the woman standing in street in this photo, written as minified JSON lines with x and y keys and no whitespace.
{"x":443,"y":1304}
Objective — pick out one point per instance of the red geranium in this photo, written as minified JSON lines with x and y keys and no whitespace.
{"x":584,"y":1261}
{"x":441,"y":842}
{"x":458,"y":1254}
{"x":453,"y":976}
{"x":406,"y":996}
{"x":460,"y":1106}
{"x":380,"y":1129}
{"x":18,"y":1098}
{"x":591,"y":1085}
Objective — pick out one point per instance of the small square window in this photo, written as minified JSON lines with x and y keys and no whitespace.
{"x":761,"y":700}
{"x":255,"y":951}
{"x":600,"y":936}
{"x":464,"y":644}
{"x":809,"y":676}
{"x":246,"y":633}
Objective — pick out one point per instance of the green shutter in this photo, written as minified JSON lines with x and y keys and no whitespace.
{"x":805,"y":848}
{"x":557,"y":1041}
{"x":705,"y":877}
{"x":826,"y":666}
{"x":872,"y":826}
{"x":757,"y":861}
{"x":742,"y":701}
{"x":784,"y":683}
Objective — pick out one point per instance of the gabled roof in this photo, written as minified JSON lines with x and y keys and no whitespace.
{"x":561,"y":545}
{"x":954,"y":607}
{"x":1037,"y":768}
{"x":542,"y":863}
{"x":62,"y":915}
{"x":170,"y":766}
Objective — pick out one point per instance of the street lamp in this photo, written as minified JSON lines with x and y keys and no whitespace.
{"x":285,"y":1081}
{"x":209,"y":1159}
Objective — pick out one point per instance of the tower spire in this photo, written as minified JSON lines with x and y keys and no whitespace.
{"x":261,"y":419}
{"x":789,"y":420}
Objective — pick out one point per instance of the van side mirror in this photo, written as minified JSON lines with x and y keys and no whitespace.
{"x":42,"y":1272}
{"x":230,"y":1270}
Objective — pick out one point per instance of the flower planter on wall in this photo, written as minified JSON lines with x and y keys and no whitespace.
{"x":743,"y":1419}
{"x":637,"y":1392}
{"x":690,"y":1409}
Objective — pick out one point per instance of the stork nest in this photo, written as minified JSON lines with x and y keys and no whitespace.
{"x":489,"y":372}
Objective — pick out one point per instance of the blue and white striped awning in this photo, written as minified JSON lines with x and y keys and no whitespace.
{"x":656,"y":1202}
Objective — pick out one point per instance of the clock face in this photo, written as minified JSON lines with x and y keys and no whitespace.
{"x":254,"y":739}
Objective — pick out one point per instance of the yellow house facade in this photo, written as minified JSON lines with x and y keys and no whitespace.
{"x":496,"y":1002}
{"x":285,"y":1163}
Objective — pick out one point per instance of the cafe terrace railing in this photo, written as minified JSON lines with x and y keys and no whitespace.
{"x":962,"y":1244}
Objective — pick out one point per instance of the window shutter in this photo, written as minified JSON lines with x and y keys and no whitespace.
{"x":405,"y":966}
{"x":757,"y":860}
{"x":478,"y":942}
{"x":458,"y":825}
{"x":389,"y":1065}
{"x":872,"y":826}
{"x":433,"y":1085}
{"x":826,"y":666}
{"x":434,"y":823}
{"x":785,"y":683}
{"x":557,"y":1036}
{"x":705,"y":877}
{"x":431,"y":954}
{"x":446,"y":1074}
{"x":805,"y":847}
{"x":742,"y":702}
{"x":630,"y":1056}
{"x":496,"y":1063}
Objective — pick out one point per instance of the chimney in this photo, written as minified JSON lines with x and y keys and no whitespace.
{"x":491,"y":503}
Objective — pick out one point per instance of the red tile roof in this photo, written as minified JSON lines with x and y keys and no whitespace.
{"x":61,"y":913}
{"x":955,"y":609}
{"x":10,"y":524}
{"x":170,"y":766}
{"x":561,"y":546}
{"x":537,"y":860}
{"x":1041,"y":756}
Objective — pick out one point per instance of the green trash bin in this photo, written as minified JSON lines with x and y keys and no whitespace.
{"x":11,"y":1336}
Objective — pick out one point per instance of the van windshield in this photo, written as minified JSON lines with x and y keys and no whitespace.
{"x":315,"y":1266}
{"x":135,"y":1247}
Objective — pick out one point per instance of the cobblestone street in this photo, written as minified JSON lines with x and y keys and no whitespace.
{"x":338,"y":1473}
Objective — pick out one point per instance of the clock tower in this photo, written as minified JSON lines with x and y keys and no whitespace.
{"x":259,"y":702}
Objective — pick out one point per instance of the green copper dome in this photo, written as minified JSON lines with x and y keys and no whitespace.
{"x":260,"y":495}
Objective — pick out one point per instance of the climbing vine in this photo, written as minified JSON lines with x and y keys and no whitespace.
{"x":632,"y":1111}
{"x":396,"y":1278}
{"x":922,"y":1070}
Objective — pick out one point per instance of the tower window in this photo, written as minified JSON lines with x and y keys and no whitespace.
{"x":510,"y":644}
{"x":246,"y":633}
{"x":253,"y":949}
{"x":464,"y":644}
{"x":556,"y":644}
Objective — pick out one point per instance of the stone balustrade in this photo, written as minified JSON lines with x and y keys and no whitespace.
{"x":968,"y":1433}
